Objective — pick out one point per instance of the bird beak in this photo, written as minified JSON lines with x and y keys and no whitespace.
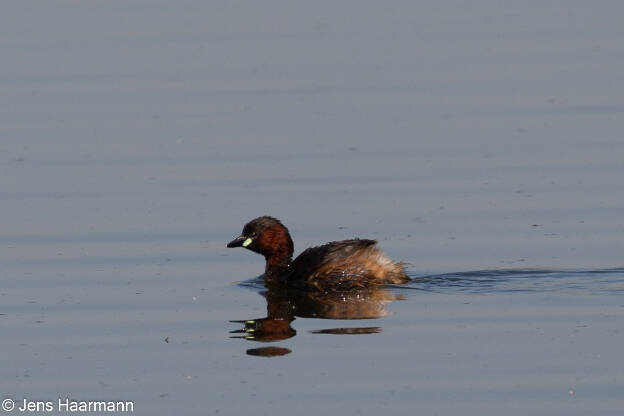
{"x":237,"y":242}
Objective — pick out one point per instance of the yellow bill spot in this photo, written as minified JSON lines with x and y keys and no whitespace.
{"x":247,"y":242}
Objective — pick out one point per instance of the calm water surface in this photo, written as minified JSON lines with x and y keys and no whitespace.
{"x":480,"y":142}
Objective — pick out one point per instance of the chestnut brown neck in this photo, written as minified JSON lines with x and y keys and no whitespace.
{"x":277,"y":248}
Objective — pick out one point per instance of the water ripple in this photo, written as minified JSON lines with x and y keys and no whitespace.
{"x":597,"y":281}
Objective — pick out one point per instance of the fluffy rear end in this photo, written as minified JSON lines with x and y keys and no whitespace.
{"x":374,"y":262}
{"x":349,"y":266}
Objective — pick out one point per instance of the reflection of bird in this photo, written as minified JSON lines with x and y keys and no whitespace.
{"x":265,"y":329}
{"x":369,"y":303}
{"x":338,"y":265}
{"x":349,"y":331}
{"x":268,"y":351}
{"x":284,"y":304}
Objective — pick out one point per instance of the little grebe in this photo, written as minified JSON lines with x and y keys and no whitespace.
{"x":338,"y":265}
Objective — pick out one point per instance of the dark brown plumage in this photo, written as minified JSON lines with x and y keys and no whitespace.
{"x":338,"y":265}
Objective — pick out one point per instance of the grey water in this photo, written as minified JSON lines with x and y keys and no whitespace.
{"x":479,"y":142}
